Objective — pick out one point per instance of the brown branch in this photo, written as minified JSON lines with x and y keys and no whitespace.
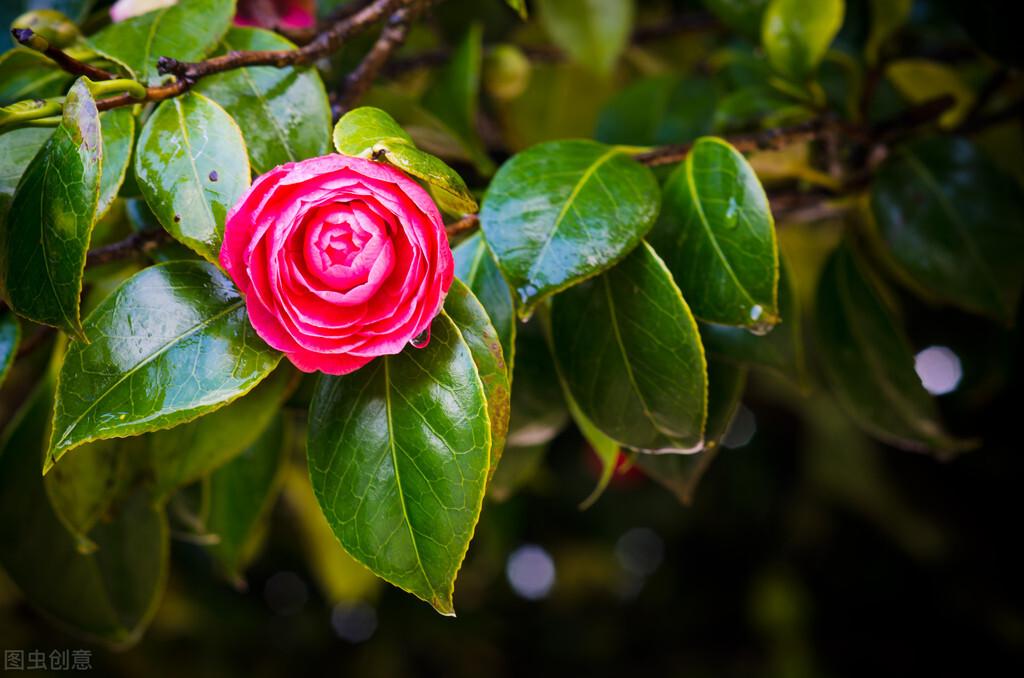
{"x":362,"y":76}
{"x":463,"y":225}
{"x":29,"y":38}
{"x":325,"y":43}
{"x":142,"y":242}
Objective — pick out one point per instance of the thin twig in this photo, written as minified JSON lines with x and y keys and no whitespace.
{"x":29,"y":38}
{"x":463,"y":225}
{"x":362,"y":76}
{"x":142,"y":242}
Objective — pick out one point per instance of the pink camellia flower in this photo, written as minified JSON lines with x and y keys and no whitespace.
{"x":340,"y":260}
{"x":291,"y":14}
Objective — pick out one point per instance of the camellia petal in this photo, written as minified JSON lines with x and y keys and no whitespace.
{"x":340,"y":260}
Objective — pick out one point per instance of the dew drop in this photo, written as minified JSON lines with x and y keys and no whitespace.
{"x":421,"y":340}
{"x":756,"y":312}
{"x":760,"y":324}
{"x":732,"y":213}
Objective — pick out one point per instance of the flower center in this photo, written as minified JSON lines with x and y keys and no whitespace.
{"x":348,"y":246}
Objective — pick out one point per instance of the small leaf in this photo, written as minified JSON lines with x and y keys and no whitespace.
{"x":109,"y":594}
{"x":10,"y":335}
{"x":118,"y":129}
{"x":797,"y":33}
{"x":17,"y":149}
{"x":519,"y":6}
{"x":471,"y":318}
{"x":561,"y":212}
{"x":27,"y":74}
{"x":782,"y":350}
{"x":869,"y":361}
{"x":631,"y":357}
{"x":593,"y":32}
{"x":953,"y":225}
{"x":666,"y":109}
{"x":192,"y":167}
{"x":717,"y":236}
{"x":172,"y":343}
{"x":920,"y":80}
{"x":283,"y":112}
{"x":454,"y":97}
{"x":476,"y":267}
{"x":368,"y":132}
{"x":241,"y":494}
{"x":887,"y":16}
{"x":186,"y":453}
{"x":187,"y":31}
{"x":399,"y":456}
{"x":680,"y":473}
{"x":744,"y":16}
{"x":46,"y":233}
{"x":606,"y":449}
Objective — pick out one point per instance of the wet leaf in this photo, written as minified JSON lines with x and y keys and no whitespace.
{"x":797,"y":33}
{"x":118,"y":130}
{"x":476,"y":267}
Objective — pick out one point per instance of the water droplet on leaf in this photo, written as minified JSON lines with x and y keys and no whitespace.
{"x":732,"y":213}
{"x":421,"y":340}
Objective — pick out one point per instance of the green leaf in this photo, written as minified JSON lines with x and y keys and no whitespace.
{"x":454,"y":97}
{"x":921,"y":80}
{"x":797,"y":33}
{"x":110,"y":594}
{"x":241,"y":494}
{"x":471,"y":318}
{"x":186,"y":31}
{"x":10,"y":335}
{"x":631,"y":356}
{"x":680,"y":473}
{"x":171,"y":344}
{"x":283,"y":112}
{"x":953,"y":225}
{"x":27,"y":74}
{"x":754,"y":105}
{"x":593,"y":32}
{"x":742,"y":15}
{"x":46,"y":233}
{"x":84,"y":488}
{"x":561,"y":212}
{"x":185,"y":453}
{"x":118,"y":130}
{"x":869,"y":361}
{"x":539,"y":411}
{"x":17,"y":148}
{"x":717,"y":236}
{"x":887,"y":16}
{"x":399,"y":455}
{"x":655,"y":111}
{"x":475,"y":265}
{"x":782,"y":350}
{"x":368,"y":132}
{"x":192,"y":167}
{"x":606,"y":450}
{"x":519,"y":6}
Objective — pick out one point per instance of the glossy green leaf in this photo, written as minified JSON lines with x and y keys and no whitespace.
{"x":84,"y":488}
{"x":742,"y":15}
{"x":470,"y":316}
{"x":887,"y":16}
{"x":27,"y":74}
{"x":593,"y":32}
{"x":661,"y":110}
{"x":630,"y":354}
{"x":186,"y":31}
{"x":953,"y":225}
{"x":118,"y":130}
{"x":283,"y":112}
{"x":717,"y":236}
{"x":606,"y":450}
{"x":869,"y":361}
{"x":475,"y":265}
{"x":454,"y":97}
{"x":172,"y":343}
{"x":109,"y":594}
{"x":192,"y":167}
{"x":797,"y":33}
{"x":680,"y":473}
{"x":399,"y":456}
{"x":10,"y":335}
{"x":368,"y":132}
{"x":241,"y":494}
{"x":17,"y":148}
{"x":781,"y":350}
{"x":539,"y":411}
{"x":46,"y":234}
{"x":185,"y":453}
{"x":561,"y":212}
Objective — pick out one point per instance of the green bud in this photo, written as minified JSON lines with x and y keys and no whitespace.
{"x":51,"y":25}
{"x":506,"y":72}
